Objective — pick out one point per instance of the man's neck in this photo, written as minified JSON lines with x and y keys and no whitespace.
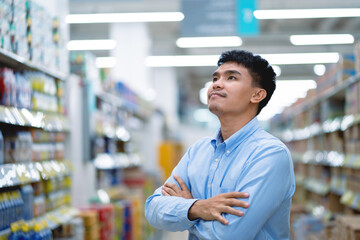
{"x":230,"y":125}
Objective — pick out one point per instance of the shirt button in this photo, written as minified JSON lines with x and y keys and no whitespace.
{"x":227,"y":151}
{"x":216,"y":160}
{"x":209,"y":185}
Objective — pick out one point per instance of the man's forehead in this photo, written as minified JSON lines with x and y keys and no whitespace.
{"x":231,"y":67}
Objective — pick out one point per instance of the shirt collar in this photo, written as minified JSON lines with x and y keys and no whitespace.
{"x":234,"y":140}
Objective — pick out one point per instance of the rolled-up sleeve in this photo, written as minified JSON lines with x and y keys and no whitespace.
{"x":169,"y":212}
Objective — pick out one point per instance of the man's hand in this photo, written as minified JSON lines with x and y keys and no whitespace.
{"x":212,"y":208}
{"x":171,"y":189}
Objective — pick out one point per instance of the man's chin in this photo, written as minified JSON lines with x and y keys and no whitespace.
{"x":214,"y":109}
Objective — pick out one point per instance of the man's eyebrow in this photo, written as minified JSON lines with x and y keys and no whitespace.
{"x":215,"y":74}
{"x":232,"y":72}
{"x":227,"y":72}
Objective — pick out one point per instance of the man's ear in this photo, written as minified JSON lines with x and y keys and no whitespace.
{"x":258,"y":95}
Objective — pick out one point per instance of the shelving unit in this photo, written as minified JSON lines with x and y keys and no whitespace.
{"x":33,"y":120}
{"x":322,"y":133}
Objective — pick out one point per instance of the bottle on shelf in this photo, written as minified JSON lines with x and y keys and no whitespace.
{"x":16,"y":233}
{"x":26,"y":232}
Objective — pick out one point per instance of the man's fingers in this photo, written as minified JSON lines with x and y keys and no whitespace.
{"x":237,"y":203}
{"x":233,"y":211}
{"x":173,"y":186}
{"x":170,"y":191}
{"x":236,"y":195}
{"x":164,"y":193}
{"x":221,"y":219}
{"x":181,"y":183}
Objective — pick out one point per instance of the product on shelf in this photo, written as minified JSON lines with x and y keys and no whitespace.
{"x":105,"y":215}
{"x":18,"y":148}
{"x":30,"y":230}
{"x":27,"y":194}
{"x":91,"y":224}
{"x":5,"y":21}
{"x":74,"y":229}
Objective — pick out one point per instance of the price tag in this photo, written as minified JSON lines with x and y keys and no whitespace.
{"x":23,"y":173}
{"x":347,"y":198}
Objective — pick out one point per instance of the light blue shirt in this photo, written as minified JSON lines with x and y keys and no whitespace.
{"x":251,"y":161}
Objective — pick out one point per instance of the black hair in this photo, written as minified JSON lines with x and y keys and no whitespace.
{"x":262,"y":73}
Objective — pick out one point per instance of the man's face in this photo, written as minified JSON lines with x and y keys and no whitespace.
{"x":231,"y":90}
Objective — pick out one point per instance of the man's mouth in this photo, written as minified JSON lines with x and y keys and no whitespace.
{"x":216,"y":93}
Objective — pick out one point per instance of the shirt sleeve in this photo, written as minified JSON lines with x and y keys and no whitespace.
{"x":269,"y":180}
{"x":167,"y":212}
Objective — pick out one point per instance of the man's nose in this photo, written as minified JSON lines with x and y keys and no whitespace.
{"x":218,"y":83}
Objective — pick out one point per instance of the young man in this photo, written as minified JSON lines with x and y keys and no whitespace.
{"x":239,"y":184}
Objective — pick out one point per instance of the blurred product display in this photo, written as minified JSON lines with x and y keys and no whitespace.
{"x":322,"y":132}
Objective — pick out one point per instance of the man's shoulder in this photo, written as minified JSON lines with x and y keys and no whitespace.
{"x":264,"y":139}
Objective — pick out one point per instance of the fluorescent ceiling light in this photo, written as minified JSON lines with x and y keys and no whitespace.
{"x":301,"y":58}
{"x":198,"y":42}
{"x":211,"y":60}
{"x":307,"y":13}
{"x":322,"y":39}
{"x":181,"y":61}
{"x":105,"y":62}
{"x":125,"y":17}
{"x":75,"y":45}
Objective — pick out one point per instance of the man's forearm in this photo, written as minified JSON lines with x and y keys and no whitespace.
{"x":168,"y":213}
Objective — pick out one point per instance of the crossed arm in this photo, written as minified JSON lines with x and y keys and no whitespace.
{"x":208,"y":209}
{"x":173,"y":207}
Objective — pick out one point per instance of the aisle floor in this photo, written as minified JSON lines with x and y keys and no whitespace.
{"x":174,"y":235}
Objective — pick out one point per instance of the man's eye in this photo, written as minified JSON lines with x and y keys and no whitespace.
{"x":232,"y":78}
{"x":214,"y":79}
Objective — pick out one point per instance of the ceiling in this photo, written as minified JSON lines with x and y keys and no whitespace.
{"x":274,"y":37}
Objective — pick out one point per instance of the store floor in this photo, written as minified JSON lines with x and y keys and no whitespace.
{"x":175,"y":235}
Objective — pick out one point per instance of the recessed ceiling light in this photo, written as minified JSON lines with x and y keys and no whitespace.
{"x":319,"y":69}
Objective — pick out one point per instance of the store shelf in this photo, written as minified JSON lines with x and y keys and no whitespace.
{"x":325,"y":158}
{"x":108,"y":130}
{"x":318,"y":211}
{"x":53,"y":218}
{"x":23,"y":173}
{"x":35,"y":119}
{"x":325,"y":95}
{"x":352,"y":161}
{"x":351,"y":199}
{"x":53,"y":168}
{"x":16,"y":174}
{"x":316,"y":186}
{"x":315,"y":129}
{"x":59,"y":216}
{"x":105,"y":161}
{"x":19,"y":62}
{"x":139,"y":111}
